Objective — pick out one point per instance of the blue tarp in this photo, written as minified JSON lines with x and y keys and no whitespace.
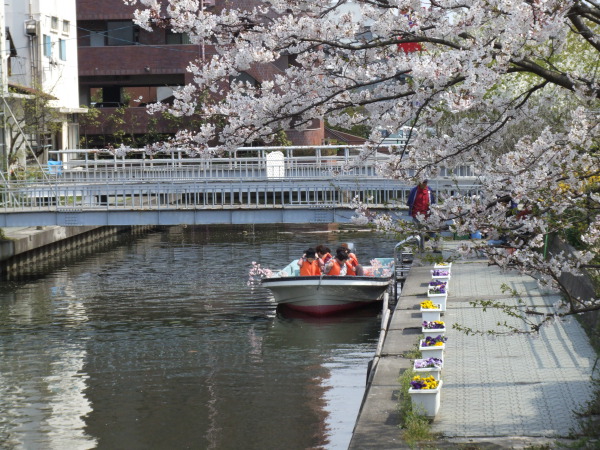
{"x":55,"y":167}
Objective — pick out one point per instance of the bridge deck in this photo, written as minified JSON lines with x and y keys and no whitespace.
{"x":84,"y":189}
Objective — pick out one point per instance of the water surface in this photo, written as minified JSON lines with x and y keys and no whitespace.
{"x":158,"y":342}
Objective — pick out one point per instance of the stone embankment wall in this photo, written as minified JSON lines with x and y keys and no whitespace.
{"x":581,"y":286}
{"x":22,"y":248}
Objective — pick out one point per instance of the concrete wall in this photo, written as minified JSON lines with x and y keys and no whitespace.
{"x":32,"y":239}
{"x":581,"y":286}
{"x":25,"y":246}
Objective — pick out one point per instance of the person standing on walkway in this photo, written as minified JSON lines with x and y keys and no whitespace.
{"x":419,"y":201}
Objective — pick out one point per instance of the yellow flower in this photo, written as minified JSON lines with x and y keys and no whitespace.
{"x":428,"y":304}
{"x":427,"y":382}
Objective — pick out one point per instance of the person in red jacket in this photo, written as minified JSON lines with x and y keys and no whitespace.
{"x":420,"y":199}
{"x":309,"y":264}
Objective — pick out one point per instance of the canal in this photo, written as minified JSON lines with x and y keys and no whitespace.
{"x":157,"y":342}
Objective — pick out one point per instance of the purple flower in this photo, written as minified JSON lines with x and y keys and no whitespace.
{"x":434,"y":341}
{"x":418,"y":384}
{"x":435,"y":324}
{"x":428,"y":363}
{"x":437,"y":287}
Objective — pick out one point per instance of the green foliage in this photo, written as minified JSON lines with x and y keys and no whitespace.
{"x":356,"y":130}
{"x":31,"y":121}
{"x":282,"y":139}
{"x":104,"y":127}
{"x":89,"y":119}
{"x":414,"y":425}
{"x":433,"y":258}
{"x":414,"y":353}
{"x":587,"y":435}
{"x":27,"y":173}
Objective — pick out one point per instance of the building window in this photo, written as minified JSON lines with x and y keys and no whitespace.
{"x":97,"y":38}
{"x":66,"y":27}
{"x":54,"y":23}
{"x":120,"y":33}
{"x":99,"y":33}
{"x":177,"y":38}
{"x":62,"y":49}
{"x":47,"y":46}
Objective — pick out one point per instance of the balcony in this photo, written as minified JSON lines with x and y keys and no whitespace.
{"x":135,"y":121}
{"x":138,"y":59}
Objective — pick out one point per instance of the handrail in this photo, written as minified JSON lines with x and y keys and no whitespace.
{"x":399,"y":244}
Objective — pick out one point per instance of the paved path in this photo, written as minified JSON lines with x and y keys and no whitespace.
{"x":503,"y":391}
{"x":516,"y":385}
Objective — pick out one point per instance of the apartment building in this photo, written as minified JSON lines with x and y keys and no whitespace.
{"x":123,"y":67}
{"x":39,"y":78}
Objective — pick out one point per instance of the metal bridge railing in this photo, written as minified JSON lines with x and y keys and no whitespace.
{"x":225,"y":194}
{"x":247,"y":178}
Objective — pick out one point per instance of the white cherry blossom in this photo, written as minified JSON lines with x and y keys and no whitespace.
{"x":509,"y":89}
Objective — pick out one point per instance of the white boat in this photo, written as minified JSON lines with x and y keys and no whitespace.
{"x":322,"y":295}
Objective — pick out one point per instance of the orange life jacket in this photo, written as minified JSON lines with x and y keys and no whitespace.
{"x":326,"y":258}
{"x":350,"y":268}
{"x":308,"y":269}
{"x":336,"y":267}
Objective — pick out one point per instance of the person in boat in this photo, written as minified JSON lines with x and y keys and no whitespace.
{"x":337,"y":265}
{"x":354,"y":268}
{"x":324,"y":254}
{"x":309,"y":264}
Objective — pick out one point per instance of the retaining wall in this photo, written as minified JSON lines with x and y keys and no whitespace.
{"x":25,"y":246}
{"x":578,"y":286}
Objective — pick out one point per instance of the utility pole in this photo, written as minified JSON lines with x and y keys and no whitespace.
{"x":3,"y":88}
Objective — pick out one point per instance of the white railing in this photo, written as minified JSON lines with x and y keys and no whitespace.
{"x":308,"y":176}
{"x":298,"y":162}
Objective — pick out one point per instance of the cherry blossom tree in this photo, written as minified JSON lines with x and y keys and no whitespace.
{"x":511,"y":89}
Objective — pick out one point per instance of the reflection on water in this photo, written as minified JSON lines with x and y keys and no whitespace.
{"x":158,"y":343}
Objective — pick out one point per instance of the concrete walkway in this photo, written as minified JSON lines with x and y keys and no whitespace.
{"x":499,"y":392}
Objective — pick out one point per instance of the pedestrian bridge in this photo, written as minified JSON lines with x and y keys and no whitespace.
{"x":250,"y":185}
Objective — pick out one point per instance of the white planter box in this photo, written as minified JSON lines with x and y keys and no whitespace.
{"x":426,"y":400}
{"x":433,"y":332}
{"x":440,"y":299}
{"x":447,"y":266}
{"x":433,"y":296}
{"x":432,"y":352}
{"x":435,"y":372}
{"x":430,"y":315}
